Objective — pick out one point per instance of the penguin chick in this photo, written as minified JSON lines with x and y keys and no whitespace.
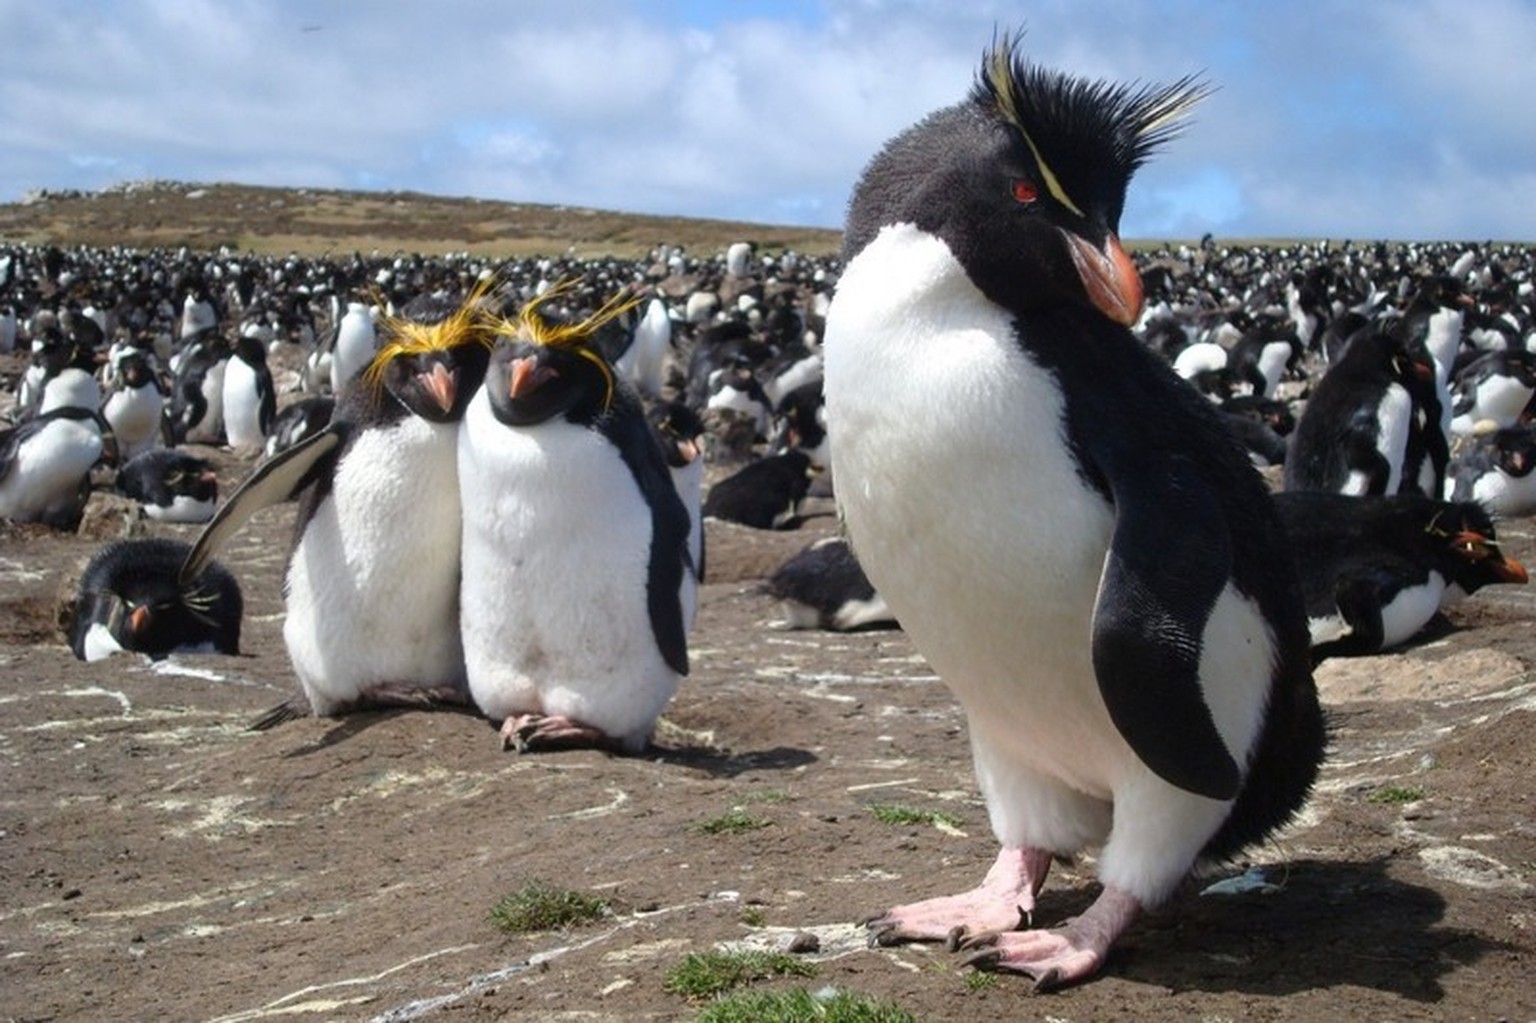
{"x":576,"y":592}
{"x":131,"y":598}
{"x":1136,"y":676}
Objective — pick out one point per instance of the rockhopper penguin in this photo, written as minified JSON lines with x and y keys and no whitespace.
{"x":1067,"y":531}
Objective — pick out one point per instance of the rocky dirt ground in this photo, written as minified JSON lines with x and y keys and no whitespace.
{"x":160,"y":861}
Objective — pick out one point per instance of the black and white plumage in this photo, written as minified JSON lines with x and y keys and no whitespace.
{"x":1376,"y":570}
{"x":1016,"y":469}
{"x":134,"y":404}
{"x":299,"y":420}
{"x":170,"y":485}
{"x":1495,"y":469}
{"x":249,"y":395}
{"x":763,"y":494}
{"x":680,"y":432}
{"x":45,"y":466}
{"x":1494,"y":388}
{"x":1355,"y":434}
{"x":131,"y":597}
{"x":371,"y":590}
{"x":576,"y":586}
{"x":822,"y":586}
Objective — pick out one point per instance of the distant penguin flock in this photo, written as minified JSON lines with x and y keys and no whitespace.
{"x":1125,"y":499}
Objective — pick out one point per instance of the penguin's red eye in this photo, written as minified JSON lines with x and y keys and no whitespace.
{"x":1025,"y":191}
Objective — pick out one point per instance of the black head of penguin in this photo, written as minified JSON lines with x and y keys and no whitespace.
{"x":1465,"y":549}
{"x":679,"y":429}
{"x":987,"y":177}
{"x":541,"y":367}
{"x":130,"y":590}
{"x":432,"y":357}
{"x":160,"y":475}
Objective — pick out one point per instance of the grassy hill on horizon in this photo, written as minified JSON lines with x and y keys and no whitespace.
{"x":315,"y":222}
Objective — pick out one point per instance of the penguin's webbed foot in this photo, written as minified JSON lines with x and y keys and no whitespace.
{"x":528,"y":732}
{"x":1061,"y":956}
{"x":1003,"y":901}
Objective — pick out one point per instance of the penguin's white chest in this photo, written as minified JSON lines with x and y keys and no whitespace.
{"x":134,"y":413}
{"x":373,"y":582}
{"x":1394,"y":417}
{"x":50,"y":467}
{"x":962,"y":500}
{"x":557,"y":548}
{"x":242,"y":405}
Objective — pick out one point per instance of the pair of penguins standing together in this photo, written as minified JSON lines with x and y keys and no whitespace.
{"x":487,"y":519}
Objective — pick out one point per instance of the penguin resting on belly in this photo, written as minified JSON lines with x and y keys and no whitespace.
{"x":577,"y":584}
{"x":982,"y":380}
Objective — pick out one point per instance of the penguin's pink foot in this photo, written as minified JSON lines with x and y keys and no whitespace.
{"x":1063,"y":955}
{"x":527,"y":732}
{"x":1003,"y":901}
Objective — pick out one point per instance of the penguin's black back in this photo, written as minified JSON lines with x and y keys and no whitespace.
{"x":1126,"y":410}
{"x":144,"y":571}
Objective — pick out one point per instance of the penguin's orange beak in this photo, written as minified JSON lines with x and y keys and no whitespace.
{"x":527,"y":375}
{"x":1109,"y":277}
{"x":138,"y":620}
{"x":441,"y":385}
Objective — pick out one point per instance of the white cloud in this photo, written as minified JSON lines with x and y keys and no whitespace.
{"x":1406,"y":120}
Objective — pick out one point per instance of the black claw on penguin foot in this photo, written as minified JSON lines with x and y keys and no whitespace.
{"x":980,"y":940}
{"x":1048,"y":981}
{"x":954,"y":941}
{"x":983,"y":958}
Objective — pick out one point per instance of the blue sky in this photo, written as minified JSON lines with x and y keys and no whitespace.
{"x":1338,"y":118}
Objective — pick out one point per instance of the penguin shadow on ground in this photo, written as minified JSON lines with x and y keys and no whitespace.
{"x":724,"y":763}
{"x":1329,"y":925}
{"x":353,"y":724}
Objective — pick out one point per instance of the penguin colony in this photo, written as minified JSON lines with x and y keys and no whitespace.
{"x":1386,"y":389}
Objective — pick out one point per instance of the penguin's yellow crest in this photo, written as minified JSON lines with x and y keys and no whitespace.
{"x":530,"y":325}
{"x":469,"y":324}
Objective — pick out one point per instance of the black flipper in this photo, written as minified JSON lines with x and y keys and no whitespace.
{"x":279,"y":479}
{"x":1168,"y":561}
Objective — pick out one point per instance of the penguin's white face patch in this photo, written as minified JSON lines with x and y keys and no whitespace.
{"x":99,"y":643}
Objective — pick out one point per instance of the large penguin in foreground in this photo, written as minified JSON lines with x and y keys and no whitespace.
{"x":1067,"y":532}
{"x":577,"y":586}
{"x":372,"y":584}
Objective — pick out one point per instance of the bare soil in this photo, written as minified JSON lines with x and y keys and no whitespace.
{"x":159,"y":861}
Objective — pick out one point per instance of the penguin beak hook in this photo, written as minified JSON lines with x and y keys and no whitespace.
{"x":440,"y":385}
{"x":1109,"y":277}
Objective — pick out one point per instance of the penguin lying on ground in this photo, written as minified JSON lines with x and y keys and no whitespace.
{"x":822,"y":587}
{"x":577,"y":587}
{"x":170,"y":485}
{"x":764,"y":494}
{"x":371,"y":590}
{"x":1068,"y":532}
{"x":131,"y":598}
{"x":1375,"y":570}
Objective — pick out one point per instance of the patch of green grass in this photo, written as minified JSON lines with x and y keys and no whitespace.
{"x":733,"y":822}
{"x":537,"y":906}
{"x":1396,"y":794}
{"x":753,"y":916}
{"x":980,"y":980}
{"x":897,"y":813}
{"x":768,"y":796}
{"x":801,"y":1006}
{"x":706,"y":974}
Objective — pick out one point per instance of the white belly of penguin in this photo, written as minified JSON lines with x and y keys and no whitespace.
{"x":557,"y":543}
{"x":968,"y":514}
{"x":373,"y":584}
